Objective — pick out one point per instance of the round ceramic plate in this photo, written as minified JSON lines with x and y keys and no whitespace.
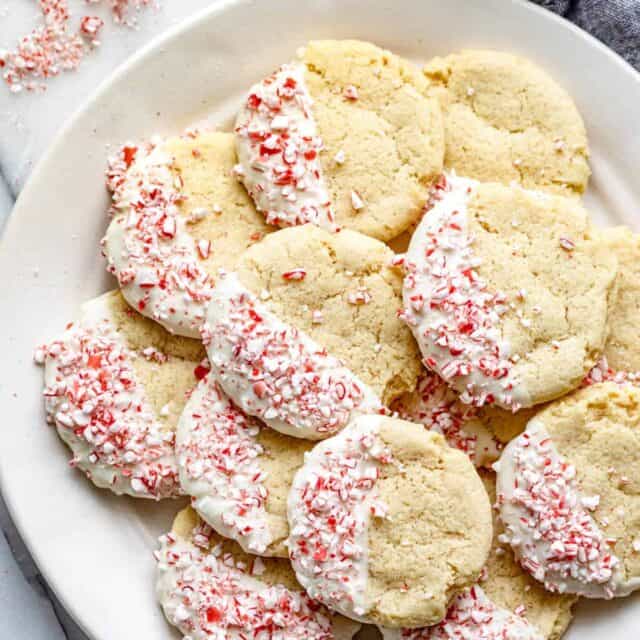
{"x":95,"y":549}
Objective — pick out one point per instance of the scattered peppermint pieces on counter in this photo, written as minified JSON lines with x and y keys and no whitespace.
{"x":276,"y":372}
{"x":278,"y":152}
{"x":330,"y":505}
{"x":56,"y":46}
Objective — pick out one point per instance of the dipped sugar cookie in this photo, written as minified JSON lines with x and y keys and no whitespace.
{"x":209,"y":588}
{"x":438,"y":407}
{"x":506,"y":604}
{"x":237,"y":470}
{"x":507,"y":292}
{"x":115,"y":384}
{"x":303,"y":334}
{"x":568,"y":493}
{"x":507,"y":121}
{"x":178,"y":215}
{"x":368,"y":503}
{"x":344,"y":137}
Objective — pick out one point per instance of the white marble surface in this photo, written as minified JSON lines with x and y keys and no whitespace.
{"x":28,"y":123}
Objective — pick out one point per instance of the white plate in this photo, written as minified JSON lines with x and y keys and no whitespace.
{"x":95,"y":549}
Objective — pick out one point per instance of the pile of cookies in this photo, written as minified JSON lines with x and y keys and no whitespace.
{"x":374,"y":336}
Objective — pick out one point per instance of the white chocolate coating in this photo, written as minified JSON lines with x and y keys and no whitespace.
{"x":329,"y":510}
{"x":218,"y":458}
{"x":547,"y":521}
{"x":454,"y":317}
{"x":471,"y":616}
{"x":278,"y":147}
{"x":277,"y":373}
{"x":147,"y":245}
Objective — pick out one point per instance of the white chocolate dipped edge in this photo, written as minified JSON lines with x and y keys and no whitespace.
{"x":277,"y":373}
{"x":278,"y":151}
{"x":101,"y":411}
{"x":332,"y":499}
{"x":547,"y":520}
{"x":147,"y":245}
{"x":219,"y":462}
{"x":471,"y":616}
{"x":454,"y":317}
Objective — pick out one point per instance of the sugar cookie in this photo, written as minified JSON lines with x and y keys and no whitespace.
{"x":344,"y":137}
{"x":178,"y":215}
{"x":506,"y":120}
{"x":507,"y":292}
{"x":568,"y":493}
{"x":371,"y":500}
{"x":115,"y":384}
{"x":237,"y":470}
{"x":209,"y":588}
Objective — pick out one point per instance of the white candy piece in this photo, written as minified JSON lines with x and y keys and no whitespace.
{"x":102,"y":412}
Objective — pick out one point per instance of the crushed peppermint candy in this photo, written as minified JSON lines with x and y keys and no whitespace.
{"x":156,"y":261}
{"x":350,"y":92}
{"x":123,"y":11}
{"x":602,"y":372}
{"x":218,"y":457}
{"x":360,"y":296}
{"x":330,"y":505}
{"x":278,"y":152}
{"x":208,"y":593}
{"x":295,"y":274}
{"x":101,"y":411}
{"x":435,"y":405}
{"x":55,"y":46}
{"x":275,"y":372}
{"x":356,"y":201}
{"x":50,"y":49}
{"x":472,"y":616}
{"x":454,"y":317}
{"x":567,"y":244}
{"x":547,"y":522}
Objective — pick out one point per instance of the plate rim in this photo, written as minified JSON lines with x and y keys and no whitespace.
{"x":56,"y":145}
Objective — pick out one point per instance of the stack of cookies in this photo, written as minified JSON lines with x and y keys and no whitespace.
{"x":374,"y":336}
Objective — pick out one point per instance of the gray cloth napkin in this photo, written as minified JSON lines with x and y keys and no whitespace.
{"x":615,"y":22}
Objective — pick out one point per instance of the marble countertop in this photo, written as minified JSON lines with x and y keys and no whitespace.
{"x":28,"y":122}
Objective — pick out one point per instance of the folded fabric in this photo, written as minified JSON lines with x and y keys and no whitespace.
{"x":615,"y":22}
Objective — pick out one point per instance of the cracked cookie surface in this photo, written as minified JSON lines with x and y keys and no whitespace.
{"x":343,"y":294}
{"x":507,"y":120}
